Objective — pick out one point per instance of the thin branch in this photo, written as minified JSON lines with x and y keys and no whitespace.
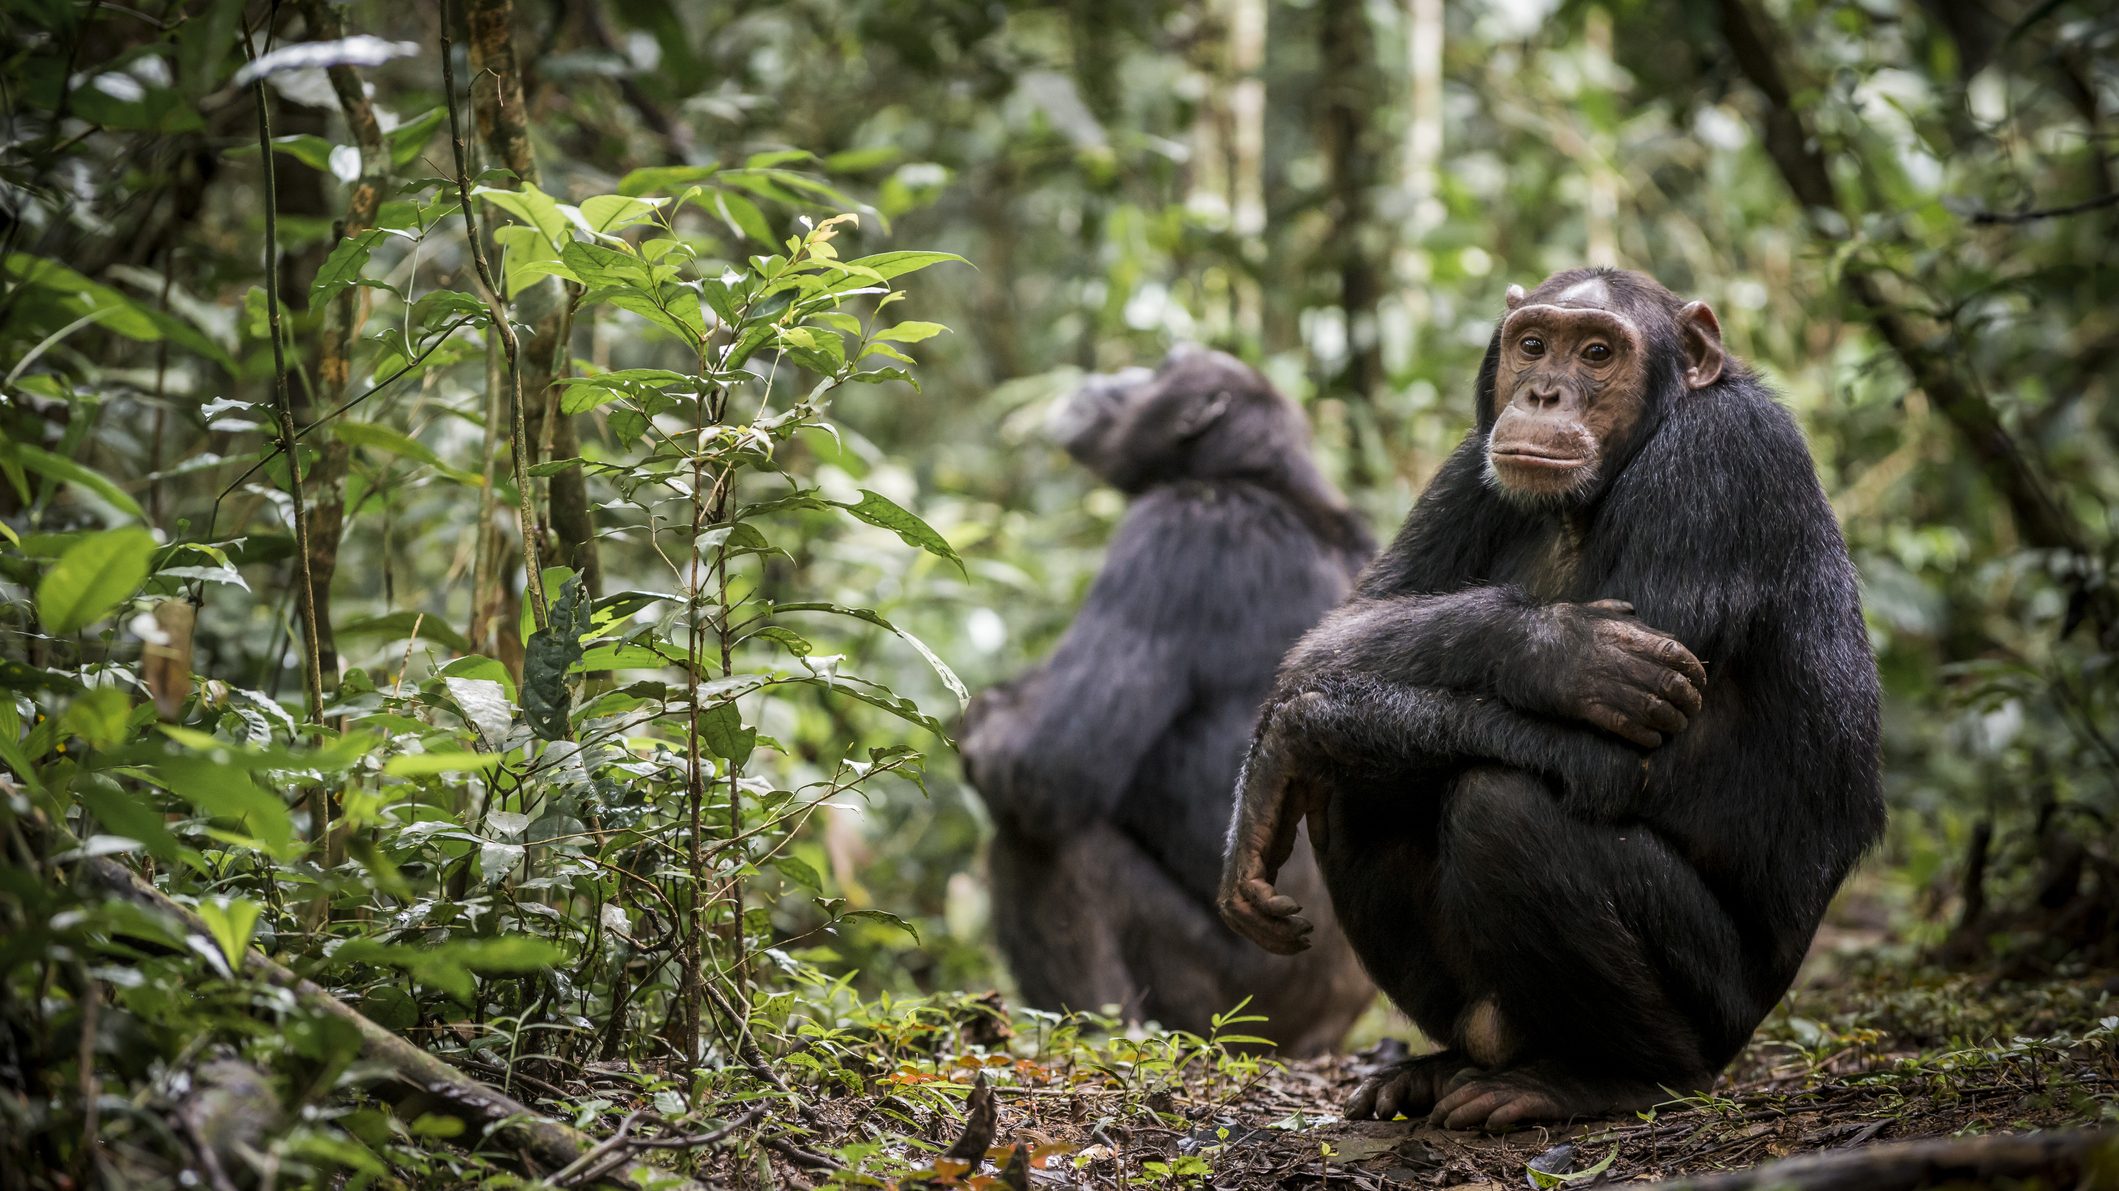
{"x":312,"y":674}
{"x":2035,"y":214}
{"x":509,"y":347}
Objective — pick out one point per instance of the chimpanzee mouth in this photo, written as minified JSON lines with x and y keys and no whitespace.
{"x":1540,"y":462}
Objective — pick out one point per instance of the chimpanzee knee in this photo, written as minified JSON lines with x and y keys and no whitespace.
{"x":1586,"y":939}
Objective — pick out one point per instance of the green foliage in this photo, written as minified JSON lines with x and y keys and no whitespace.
{"x":705,"y":774}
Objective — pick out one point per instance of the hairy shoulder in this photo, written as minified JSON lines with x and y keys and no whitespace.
{"x":1195,"y":557}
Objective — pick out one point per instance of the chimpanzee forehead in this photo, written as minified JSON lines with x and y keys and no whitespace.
{"x":1565,"y":319}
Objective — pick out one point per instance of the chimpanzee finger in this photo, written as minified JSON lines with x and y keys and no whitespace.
{"x":1612,"y":720}
{"x":1681,"y":691}
{"x":1615,"y":607}
{"x":1673,"y":653}
{"x":1660,"y":714}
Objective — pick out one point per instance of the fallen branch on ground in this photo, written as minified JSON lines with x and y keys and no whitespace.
{"x":542,"y":1142}
{"x":2077,"y":1158}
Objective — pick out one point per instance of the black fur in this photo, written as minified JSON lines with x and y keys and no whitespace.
{"x":1107,"y":768}
{"x":1633,"y":913}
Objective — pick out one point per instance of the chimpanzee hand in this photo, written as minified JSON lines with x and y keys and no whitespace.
{"x":1625,"y":677}
{"x":1271,"y":802}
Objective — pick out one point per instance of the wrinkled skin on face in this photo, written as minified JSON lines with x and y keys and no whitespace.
{"x":1572,"y":381}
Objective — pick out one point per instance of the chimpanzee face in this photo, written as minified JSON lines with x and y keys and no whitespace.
{"x":1574,"y":379}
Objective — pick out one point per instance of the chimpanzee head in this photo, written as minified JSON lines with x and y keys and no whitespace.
{"x":1580,"y":371}
{"x":1200,"y":415}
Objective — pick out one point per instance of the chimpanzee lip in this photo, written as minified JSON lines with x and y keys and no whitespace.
{"x":1532,"y":459}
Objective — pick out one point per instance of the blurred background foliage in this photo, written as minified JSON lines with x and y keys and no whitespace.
{"x":1905,"y":214}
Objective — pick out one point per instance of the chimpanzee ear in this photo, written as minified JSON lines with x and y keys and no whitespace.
{"x":1202,"y":413}
{"x":1702,"y":333}
{"x":1515,"y":296}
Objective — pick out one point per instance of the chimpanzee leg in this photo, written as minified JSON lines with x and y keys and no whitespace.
{"x":1098,"y":922}
{"x":1057,"y":922}
{"x":1380,"y":852}
{"x":1600,"y":969}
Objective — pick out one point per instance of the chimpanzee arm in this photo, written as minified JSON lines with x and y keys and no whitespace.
{"x":1354,"y":724}
{"x":1061,"y":746}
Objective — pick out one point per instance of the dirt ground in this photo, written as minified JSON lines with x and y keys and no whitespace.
{"x":1868,"y":1062}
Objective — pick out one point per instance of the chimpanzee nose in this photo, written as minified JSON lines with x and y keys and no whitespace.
{"x":1542,"y":394}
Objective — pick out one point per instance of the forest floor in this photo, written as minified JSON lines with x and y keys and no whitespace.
{"x":1890,"y":1055}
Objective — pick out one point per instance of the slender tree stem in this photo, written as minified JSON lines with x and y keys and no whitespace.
{"x":519,"y":445}
{"x":283,"y":402}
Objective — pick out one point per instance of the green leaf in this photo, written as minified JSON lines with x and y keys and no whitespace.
{"x":232,"y":922}
{"x":723,"y":732}
{"x":880,"y":510}
{"x":428,"y":764}
{"x":532,"y":206}
{"x":897,"y":264}
{"x":93,"y":577}
{"x":407,"y":139}
{"x":529,"y":257}
{"x":132,"y":815}
{"x":342,"y":269}
{"x":910,"y":332}
{"x":743,"y":216}
{"x":221,"y":790}
{"x":941,"y":668}
{"x":59,"y":467}
{"x":547,"y":656}
{"x":888,"y":919}
{"x":606,"y":213}
{"x":395,"y":442}
{"x":404,"y":626}
{"x":100,"y":716}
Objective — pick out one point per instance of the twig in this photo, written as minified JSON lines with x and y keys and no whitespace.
{"x":537,"y":1141}
{"x":2032,"y":215}
{"x":509,"y":346}
{"x":312,"y":674}
{"x":2060,"y":1159}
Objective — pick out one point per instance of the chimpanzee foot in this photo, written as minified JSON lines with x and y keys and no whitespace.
{"x":1497,"y":1101}
{"x":1408,"y":1088}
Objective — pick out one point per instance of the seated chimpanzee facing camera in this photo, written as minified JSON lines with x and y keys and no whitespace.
{"x":1107,"y":768}
{"x":1594,"y":742}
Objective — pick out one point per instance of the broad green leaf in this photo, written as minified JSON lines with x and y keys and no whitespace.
{"x":910,"y":332}
{"x":428,"y":764}
{"x":395,"y":442}
{"x":880,"y":510}
{"x":723,"y":732}
{"x":532,"y":206}
{"x":231,"y":922}
{"x":403,"y":626}
{"x":342,"y":269}
{"x":529,"y":257}
{"x":606,"y":213}
{"x":898,"y":264}
{"x":59,"y":467}
{"x":98,"y":716}
{"x":407,"y":139}
{"x":130,"y":814}
{"x":223,"y":791}
{"x":93,"y":577}
{"x":743,"y":216}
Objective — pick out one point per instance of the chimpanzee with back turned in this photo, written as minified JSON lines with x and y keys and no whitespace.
{"x":1594,"y":741}
{"x":1108,"y":767}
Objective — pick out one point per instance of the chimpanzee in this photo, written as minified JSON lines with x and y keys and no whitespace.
{"x":1594,"y":741}
{"x":1107,"y":768}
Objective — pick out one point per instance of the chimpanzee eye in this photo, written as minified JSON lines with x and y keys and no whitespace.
{"x":1531,"y":345}
{"x":1597,"y":353}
